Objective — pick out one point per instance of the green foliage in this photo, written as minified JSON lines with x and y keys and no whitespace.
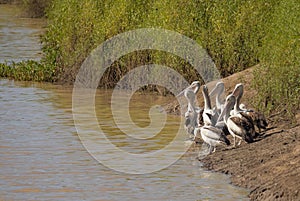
{"x":277,"y":80}
{"x":27,"y":71}
{"x":231,"y":32}
{"x":236,"y":34}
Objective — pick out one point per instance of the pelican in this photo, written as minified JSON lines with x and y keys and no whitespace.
{"x":213,"y":135}
{"x":258,"y":118}
{"x":239,"y":125}
{"x":192,"y":113}
{"x":218,"y":91}
{"x":209,"y":116}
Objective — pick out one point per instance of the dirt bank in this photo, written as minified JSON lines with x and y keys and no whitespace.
{"x":269,"y":167}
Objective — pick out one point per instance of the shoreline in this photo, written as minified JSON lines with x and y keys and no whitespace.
{"x":269,"y":167}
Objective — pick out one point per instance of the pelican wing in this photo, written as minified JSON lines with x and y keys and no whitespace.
{"x":241,"y":127}
{"x":211,"y":132}
{"x":214,"y":133}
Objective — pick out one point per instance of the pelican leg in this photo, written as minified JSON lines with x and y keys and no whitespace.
{"x":192,"y":136}
{"x":240,"y":142}
{"x":233,"y":141}
{"x":214,"y":150}
{"x":210,"y":149}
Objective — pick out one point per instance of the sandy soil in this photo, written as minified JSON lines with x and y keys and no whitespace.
{"x":269,"y":167}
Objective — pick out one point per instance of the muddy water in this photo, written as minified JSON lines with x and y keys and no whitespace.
{"x":42,"y":157}
{"x":19,"y":37}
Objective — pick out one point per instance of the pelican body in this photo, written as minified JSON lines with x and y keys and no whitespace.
{"x":213,"y":136}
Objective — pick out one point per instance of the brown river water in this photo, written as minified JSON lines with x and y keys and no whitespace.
{"x":19,"y":37}
{"x":42,"y":157}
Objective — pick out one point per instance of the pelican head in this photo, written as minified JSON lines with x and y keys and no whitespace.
{"x":238,"y":90}
{"x":229,"y":104}
{"x":230,"y":101}
{"x":195,"y":86}
{"x":207,"y":103}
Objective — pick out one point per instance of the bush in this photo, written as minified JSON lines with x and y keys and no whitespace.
{"x":277,"y":80}
{"x":229,"y":31}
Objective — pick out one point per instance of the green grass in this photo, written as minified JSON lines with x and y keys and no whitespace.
{"x":231,"y":32}
{"x":27,"y":71}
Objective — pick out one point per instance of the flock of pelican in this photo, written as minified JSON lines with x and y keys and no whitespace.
{"x":227,"y":117}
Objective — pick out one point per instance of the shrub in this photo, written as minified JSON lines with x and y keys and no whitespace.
{"x":229,"y":31}
{"x":277,"y":80}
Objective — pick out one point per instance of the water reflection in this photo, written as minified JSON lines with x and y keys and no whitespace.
{"x":43,"y":159}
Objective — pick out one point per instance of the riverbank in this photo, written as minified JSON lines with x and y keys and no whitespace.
{"x":269,"y":167}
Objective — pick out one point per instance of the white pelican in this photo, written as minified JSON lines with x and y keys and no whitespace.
{"x":192,"y":113}
{"x":218,"y":91}
{"x":239,"y":125}
{"x":258,"y":118}
{"x":209,"y":116}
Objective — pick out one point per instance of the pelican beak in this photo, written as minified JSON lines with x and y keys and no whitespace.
{"x":192,"y":86}
{"x":219,"y":86}
{"x":230,"y":101}
{"x":181,"y":93}
{"x":238,"y":90}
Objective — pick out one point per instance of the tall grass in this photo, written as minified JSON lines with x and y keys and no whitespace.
{"x":277,"y":80}
{"x":229,"y":31}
